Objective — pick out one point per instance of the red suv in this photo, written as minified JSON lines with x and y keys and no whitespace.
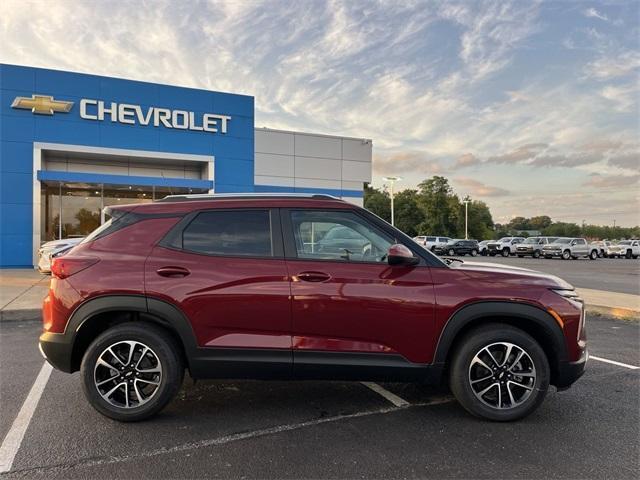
{"x":298,"y":287}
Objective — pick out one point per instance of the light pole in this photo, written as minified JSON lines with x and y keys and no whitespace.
{"x":392,"y":180}
{"x":466,"y":218}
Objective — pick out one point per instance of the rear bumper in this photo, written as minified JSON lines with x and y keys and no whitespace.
{"x":57,"y":350}
{"x":569,"y":372}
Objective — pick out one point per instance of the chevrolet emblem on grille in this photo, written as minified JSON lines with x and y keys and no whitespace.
{"x":42,"y":104}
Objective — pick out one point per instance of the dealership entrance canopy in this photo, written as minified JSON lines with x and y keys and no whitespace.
{"x":71,"y":144}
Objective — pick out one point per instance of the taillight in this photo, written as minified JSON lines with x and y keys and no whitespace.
{"x":63,"y":267}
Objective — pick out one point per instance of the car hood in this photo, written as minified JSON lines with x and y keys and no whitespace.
{"x":519,"y":273}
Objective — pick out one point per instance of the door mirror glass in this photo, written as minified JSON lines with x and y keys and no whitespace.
{"x":398,"y":254}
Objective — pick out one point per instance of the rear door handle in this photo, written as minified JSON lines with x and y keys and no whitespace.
{"x":173,"y":272}
{"x":314,"y":276}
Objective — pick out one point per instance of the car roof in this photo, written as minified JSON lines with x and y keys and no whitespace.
{"x":187,"y":203}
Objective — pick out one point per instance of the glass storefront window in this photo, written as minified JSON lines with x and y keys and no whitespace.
{"x":75,"y":209}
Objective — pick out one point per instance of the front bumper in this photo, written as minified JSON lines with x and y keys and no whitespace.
{"x":57,"y":350}
{"x":569,"y":372}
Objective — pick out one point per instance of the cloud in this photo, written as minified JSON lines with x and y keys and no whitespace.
{"x":466,"y":160}
{"x":601,"y":181}
{"x":476,"y":188}
{"x":414,"y":162}
{"x":623,"y":97}
{"x":593,"y":13}
{"x":613,"y":65}
{"x":629,"y":160}
{"x":520,"y":154}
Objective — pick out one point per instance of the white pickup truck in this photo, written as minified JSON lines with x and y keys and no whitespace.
{"x":570,"y":248}
{"x":624,"y":248}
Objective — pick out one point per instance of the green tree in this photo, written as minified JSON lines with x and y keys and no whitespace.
{"x":407,"y":213}
{"x":441,"y":207}
{"x":378,"y":202}
{"x":562,"y":229}
{"x":520,"y":223}
{"x":539,"y":223}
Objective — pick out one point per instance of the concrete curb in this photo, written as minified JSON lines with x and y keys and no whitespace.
{"x":617,"y":313}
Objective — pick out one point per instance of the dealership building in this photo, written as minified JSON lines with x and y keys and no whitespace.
{"x":72,"y":144}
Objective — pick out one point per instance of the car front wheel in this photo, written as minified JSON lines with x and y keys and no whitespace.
{"x":131,"y":372}
{"x":506,"y":252}
{"x":536,"y":254}
{"x":499,"y":373}
{"x":566,"y":255}
{"x":474,"y":253}
{"x":593,"y":255}
{"x":451,"y":252}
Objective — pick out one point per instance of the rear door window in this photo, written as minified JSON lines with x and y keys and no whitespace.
{"x":230,"y":232}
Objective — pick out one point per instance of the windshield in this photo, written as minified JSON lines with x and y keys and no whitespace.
{"x":505,"y":239}
{"x":531,"y":240}
{"x":625,"y":242}
{"x":563,"y":240}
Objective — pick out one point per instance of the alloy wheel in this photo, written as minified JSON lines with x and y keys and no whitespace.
{"x":502,"y":375}
{"x":127,"y":374}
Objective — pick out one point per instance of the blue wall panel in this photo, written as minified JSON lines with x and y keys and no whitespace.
{"x":19,"y":129}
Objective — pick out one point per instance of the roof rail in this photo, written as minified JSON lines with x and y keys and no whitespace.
{"x":243,"y":196}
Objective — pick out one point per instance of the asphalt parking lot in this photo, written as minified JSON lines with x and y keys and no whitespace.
{"x":610,"y":274}
{"x":328,"y":429}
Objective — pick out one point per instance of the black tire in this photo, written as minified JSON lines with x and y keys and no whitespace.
{"x":466,"y":350}
{"x":628,"y":254}
{"x":520,"y":256}
{"x":168,"y":356}
{"x":505,"y":252}
{"x":474,"y":253}
{"x":593,"y":255}
{"x":536,"y":254}
{"x":635,"y":257}
{"x":566,"y":255}
{"x":451,"y":252}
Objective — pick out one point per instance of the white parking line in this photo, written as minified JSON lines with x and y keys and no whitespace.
{"x":613,"y":362}
{"x":13,"y":440}
{"x":392,"y":397}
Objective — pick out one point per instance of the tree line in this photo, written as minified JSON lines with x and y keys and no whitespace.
{"x":433,"y":208}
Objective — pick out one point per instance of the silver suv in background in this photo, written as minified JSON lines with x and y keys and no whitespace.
{"x":505,"y":246}
{"x":431,"y":242}
{"x":532,"y":246}
{"x":624,"y":248}
{"x":570,"y":248}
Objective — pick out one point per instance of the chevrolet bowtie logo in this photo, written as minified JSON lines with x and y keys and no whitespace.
{"x":42,"y":104}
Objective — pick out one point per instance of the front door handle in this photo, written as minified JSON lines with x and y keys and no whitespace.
{"x":173,"y":272}
{"x":314,"y":276}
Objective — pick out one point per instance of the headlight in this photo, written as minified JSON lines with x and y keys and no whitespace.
{"x":571,"y":296}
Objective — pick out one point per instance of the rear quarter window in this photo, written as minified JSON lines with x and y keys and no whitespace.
{"x":232,"y":233}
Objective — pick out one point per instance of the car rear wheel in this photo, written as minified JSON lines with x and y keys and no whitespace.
{"x":593,"y":255}
{"x":131,"y":372}
{"x":628,"y":254}
{"x":499,"y":373}
{"x":566,"y":255}
{"x":536,"y":254}
{"x":474,"y":253}
{"x":505,"y":252}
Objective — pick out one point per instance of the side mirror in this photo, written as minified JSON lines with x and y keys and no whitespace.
{"x":398,"y":254}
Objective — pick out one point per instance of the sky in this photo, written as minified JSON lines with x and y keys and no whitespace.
{"x":532,"y":107}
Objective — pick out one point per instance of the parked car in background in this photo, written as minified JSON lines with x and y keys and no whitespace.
{"x":570,"y":248}
{"x":505,"y":246}
{"x":602,"y":246}
{"x":458,"y":247}
{"x":532,"y":246}
{"x":499,"y":336}
{"x":624,"y":248}
{"x":431,"y":242}
{"x":483,"y":247}
{"x":53,"y":247}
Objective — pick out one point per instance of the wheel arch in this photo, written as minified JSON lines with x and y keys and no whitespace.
{"x":531,"y":319}
{"x":101,"y":313}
